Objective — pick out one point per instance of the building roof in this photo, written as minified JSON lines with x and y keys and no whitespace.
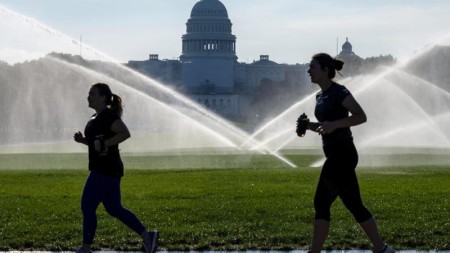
{"x":209,"y":8}
{"x":264,"y":60}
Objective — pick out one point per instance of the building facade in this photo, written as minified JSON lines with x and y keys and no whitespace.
{"x":208,"y":70}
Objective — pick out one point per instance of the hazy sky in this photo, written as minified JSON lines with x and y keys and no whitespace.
{"x":290,"y":31}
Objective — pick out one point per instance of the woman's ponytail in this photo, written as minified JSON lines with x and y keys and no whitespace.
{"x":338,"y":64}
{"x":116,"y":104}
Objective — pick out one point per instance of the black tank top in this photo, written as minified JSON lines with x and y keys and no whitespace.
{"x":99,"y":126}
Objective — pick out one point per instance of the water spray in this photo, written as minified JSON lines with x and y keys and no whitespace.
{"x":237,"y":133}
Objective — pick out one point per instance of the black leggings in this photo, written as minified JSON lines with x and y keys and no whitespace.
{"x":338,"y":178}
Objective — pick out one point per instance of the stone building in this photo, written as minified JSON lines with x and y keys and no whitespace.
{"x":208,"y":70}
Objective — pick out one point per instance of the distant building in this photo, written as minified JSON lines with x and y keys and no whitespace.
{"x":352,"y":62}
{"x":208,"y":70}
{"x":166,"y":71}
{"x":347,"y":49}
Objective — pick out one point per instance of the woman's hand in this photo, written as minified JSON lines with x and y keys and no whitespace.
{"x":78,"y":137}
{"x":314,"y":126}
{"x":326,"y":127}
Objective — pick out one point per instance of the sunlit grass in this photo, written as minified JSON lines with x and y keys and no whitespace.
{"x":262,"y":205}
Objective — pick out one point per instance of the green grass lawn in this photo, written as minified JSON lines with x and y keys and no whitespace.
{"x":256,"y":204}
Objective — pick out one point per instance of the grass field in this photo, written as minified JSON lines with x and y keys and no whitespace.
{"x":257,"y":203}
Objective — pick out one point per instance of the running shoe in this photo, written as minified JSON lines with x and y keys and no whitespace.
{"x":151,"y":243}
{"x":81,"y":250}
{"x":387,"y":249}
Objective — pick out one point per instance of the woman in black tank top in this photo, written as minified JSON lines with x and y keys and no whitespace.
{"x":336,"y":111}
{"x":103,"y":133}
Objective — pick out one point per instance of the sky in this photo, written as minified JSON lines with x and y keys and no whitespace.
{"x":289,"y":31}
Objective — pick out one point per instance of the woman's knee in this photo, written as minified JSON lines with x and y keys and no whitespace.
{"x":322,"y":211}
{"x":323,"y":215}
{"x":115,"y":211}
{"x":359,"y":211}
{"x":361,"y":214}
{"x":88,"y":208}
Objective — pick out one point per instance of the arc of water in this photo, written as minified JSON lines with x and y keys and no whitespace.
{"x":359,"y":88}
{"x":274,"y":137}
{"x":50,"y":30}
{"x":393,"y":132}
{"x":85,"y":70}
{"x":405,"y":73}
{"x":288,"y":140}
{"x":429,"y":120}
{"x":273,"y":121}
{"x":148,"y":80}
{"x":240,"y":134}
{"x":303,"y":101}
{"x":161,"y":87}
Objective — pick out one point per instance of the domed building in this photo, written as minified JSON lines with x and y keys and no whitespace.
{"x":208,"y":49}
{"x":208,"y":70}
{"x":352,"y":62}
{"x":347,"y":49}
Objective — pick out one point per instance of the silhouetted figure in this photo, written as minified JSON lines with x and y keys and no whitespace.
{"x":336,"y":111}
{"x":103,"y":133}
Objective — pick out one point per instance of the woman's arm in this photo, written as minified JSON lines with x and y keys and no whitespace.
{"x":358,"y":116}
{"x":121,"y":133}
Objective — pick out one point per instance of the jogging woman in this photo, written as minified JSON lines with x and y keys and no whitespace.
{"x":336,"y":111}
{"x":103,"y":133}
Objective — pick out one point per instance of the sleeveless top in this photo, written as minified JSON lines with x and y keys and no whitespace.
{"x":108,"y":162}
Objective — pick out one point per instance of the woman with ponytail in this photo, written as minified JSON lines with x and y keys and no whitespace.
{"x":103,"y":133}
{"x":336,"y":111}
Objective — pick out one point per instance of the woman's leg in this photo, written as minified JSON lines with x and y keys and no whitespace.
{"x":349,"y":192}
{"x":320,"y":234}
{"x":91,"y":198}
{"x":370,"y":228}
{"x":323,"y":199}
{"x":113,"y":205}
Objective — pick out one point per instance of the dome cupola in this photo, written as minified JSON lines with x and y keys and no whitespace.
{"x":208,"y":32}
{"x":209,"y":8}
{"x":208,"y":49}
{"x":347,"y":48}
